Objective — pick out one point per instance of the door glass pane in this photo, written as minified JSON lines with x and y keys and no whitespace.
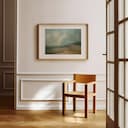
{"x":111,"y":76}
{"x":108,"y":75}
{"x":121,"y":78}
{"x":126,"y":114}
{"x":108,"y":18}
{"x":126,"y":39}
{"x":111,"y":48}
{"x":108,"y":84}
{"x":126,"y":8}
{"x":126,"y":80}
{"x":111,"y":14}
{"x":121,"y":112}
{"x":121,"y":9}
{"x":108,"y":42}
{"x":111,"y":107}
{"x":121,"y":41}
{"x":108,"y":103}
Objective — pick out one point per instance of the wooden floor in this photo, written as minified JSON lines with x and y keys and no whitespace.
{"x":50,"y":119}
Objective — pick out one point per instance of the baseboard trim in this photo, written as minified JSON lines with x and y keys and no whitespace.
{"x":100,"y":105}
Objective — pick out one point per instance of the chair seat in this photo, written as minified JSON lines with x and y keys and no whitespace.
{"x":78,"y":93}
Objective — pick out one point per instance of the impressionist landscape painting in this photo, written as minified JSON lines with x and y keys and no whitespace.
{"x":62,"y":41}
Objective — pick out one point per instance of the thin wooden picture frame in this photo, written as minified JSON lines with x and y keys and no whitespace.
{"x":62,"y":41}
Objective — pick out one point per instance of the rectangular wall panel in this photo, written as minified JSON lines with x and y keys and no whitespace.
{"x":7,"y":46}
{"x":40,"y":90}
{"x":8,"y":80}
{"x":1,"y":30}
{"x":8,"y":30}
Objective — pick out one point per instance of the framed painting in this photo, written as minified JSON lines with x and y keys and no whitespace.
{"x":62,"y":41}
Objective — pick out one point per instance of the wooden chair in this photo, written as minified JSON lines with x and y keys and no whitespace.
{"x":86,"y":80}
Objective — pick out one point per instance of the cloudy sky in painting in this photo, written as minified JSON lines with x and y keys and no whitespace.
{"x":61,"y":37}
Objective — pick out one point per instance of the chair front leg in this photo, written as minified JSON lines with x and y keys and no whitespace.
{"x":64,"y":105}
{"x":74,"y":99}
{"x":74,"y":104}
{"x":94,"y":104}
{"x":94,"y":98}
{"x":86,"y":101}
{"x":63,"y":100}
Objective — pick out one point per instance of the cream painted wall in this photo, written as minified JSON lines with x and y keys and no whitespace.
{"x":37,"y":79}
{"x":33,"y":12}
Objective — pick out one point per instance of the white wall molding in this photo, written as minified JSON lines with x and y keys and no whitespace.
{"x":57,"y":73}
{"x":101,"y":105}
{"x":54,"y":83}
{"x":29,"y":88}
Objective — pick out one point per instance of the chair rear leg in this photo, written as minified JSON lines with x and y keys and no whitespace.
{"x":63,"y":105}
{"x":86,"y":102}
{"x":94,"y":104}
{"x":74,"y":104}
{"x":74,"y":99}
{"x":63,"y":100}
{"x":94,"y":98}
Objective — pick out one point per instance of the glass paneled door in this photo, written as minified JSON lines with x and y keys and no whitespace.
{"x":110,"y":63}
{"x":122,"y":63}
{"x":117,"y":63}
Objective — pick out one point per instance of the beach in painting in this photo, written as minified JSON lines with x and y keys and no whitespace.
{"x":63,"y":41}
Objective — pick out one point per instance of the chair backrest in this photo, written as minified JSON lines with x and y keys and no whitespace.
{"x":84,"y":78}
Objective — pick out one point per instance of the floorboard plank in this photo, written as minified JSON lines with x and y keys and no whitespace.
{"x":50,"y":119}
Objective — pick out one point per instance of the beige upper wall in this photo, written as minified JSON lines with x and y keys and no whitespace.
{"x":33,"y":12}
